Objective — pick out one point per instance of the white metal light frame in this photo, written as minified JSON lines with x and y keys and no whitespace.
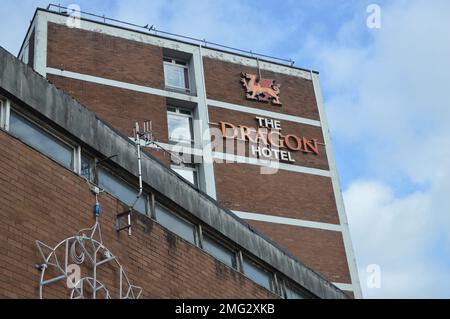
{"x":93,"y":255}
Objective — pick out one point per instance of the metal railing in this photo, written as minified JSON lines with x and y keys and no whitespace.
{"x":149,"y":29}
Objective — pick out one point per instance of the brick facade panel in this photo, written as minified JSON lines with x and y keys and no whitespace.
{"x":119,"y":107}
{"x":289,"y":194}
{"x":162,"y":156}
{"x":320,"y":161}
{"x":223,"y":84}
{"x":97,"y":54}
{"x":321,"y":250}
{"x":61,"y":204}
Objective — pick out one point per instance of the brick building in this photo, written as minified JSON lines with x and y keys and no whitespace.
{"x":241,"y":192}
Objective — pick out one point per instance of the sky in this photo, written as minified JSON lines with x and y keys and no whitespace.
{"x":387,"y":96}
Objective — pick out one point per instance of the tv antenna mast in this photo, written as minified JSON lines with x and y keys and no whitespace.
{"x":143,"y":138}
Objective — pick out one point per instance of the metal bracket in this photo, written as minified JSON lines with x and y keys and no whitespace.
{"x":119,"y":217}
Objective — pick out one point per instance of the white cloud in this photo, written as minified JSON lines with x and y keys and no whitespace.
{"x":399,"y":235}
{"x":16,"y":17}
{"x":390,"y":101}
{"x":229,"y":23}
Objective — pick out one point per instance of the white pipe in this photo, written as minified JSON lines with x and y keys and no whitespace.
{"x":138,"y":146}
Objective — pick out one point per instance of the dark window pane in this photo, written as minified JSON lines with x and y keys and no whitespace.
{"x":120,"y":189}
{"x":293,"y":294}
{"x":40,"y":140}
{"x":187,"y":112}
{"x":220,"y":252}
{"x":257,"y":274}
{"x":186,"y":78}
{"x":175,"y":224}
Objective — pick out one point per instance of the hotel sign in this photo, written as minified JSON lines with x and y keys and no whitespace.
{"x":267,"y":141}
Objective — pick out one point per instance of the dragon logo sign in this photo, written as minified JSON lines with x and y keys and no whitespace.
{"x":263,"y":90}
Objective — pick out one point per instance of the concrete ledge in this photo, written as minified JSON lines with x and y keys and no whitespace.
{"x":22,"y":82}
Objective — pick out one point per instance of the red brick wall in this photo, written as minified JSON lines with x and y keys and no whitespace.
{"x":162,"y":156}
{"x":41,"y":200}
{"x":286,"y":194}
{"x":321,"y":250}
{"x":119,"y":107}
{"x":105,"y":56}
{"x":223,"y":84}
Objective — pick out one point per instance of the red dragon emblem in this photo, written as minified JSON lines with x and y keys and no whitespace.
{"x":263,"y":90}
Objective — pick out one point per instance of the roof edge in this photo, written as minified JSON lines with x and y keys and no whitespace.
{"x":181,"y":41}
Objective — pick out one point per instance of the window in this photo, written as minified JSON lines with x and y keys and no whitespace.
{"x":292,"y":293}
{"x":175,"y":224}
{"x":86,"y":167}
{"x":44,"y":142}
{"x":2,"y":114}
{"x":176,"y":74}
{"x":187,"y":171}
{"x":122,"y":190}
{"x":26,"y":53}
{"x":257,"y":273}
{"x":179,"y":123}
{"x":220,"y":252}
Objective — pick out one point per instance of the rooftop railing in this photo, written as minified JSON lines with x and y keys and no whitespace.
{"x":152,"y":30}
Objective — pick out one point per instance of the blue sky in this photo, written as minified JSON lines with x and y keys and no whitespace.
{"x":388,"y":103}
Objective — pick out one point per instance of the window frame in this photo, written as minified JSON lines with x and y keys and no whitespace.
{"x":258,"y":265}
{"x":4,"y":114}
{"x":118,"y":176}
{"x":182,"y":218}
{"x":219,"y":242}
{"x":26,"y":53}
{"x":187,"y":167}
{"x":287,"y":285}
{"x":92,"y":160}
{"x":178,"y":113}
{"x":186,"y":74}
{"x":44,"y":128}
